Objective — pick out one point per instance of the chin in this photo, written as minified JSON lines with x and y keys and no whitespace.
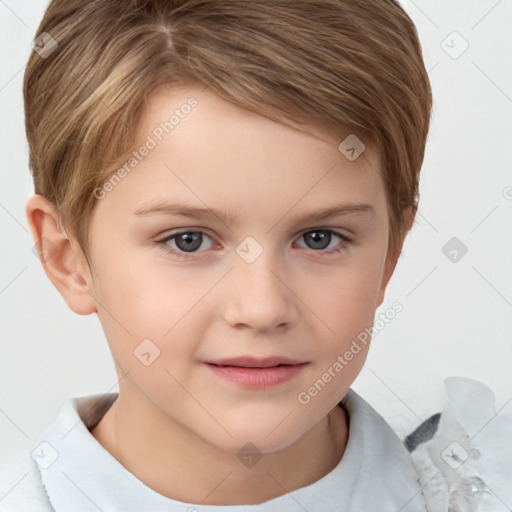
{"x":267,"y":435}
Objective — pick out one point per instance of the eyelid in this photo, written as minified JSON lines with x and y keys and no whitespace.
{"x":344,"y":233}
{"x":173,"y":234}
{"x":177,"y":231}
{"x":344,"y":240}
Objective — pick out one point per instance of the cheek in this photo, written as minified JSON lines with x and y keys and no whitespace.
{"x":154,"y":335}
{"x":143,"y":296}
{"x":346,"y":297}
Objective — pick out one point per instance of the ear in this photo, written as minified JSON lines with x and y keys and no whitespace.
{"x":392,"y":258}
{"x":60,"y":256}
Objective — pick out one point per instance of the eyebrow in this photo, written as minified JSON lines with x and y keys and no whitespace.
{"x":187,"y":210}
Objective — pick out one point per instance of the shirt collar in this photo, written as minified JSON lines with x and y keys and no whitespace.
{"x":375,"y":472}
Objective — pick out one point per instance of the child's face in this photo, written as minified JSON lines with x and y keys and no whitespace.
{"x":252,"y":286}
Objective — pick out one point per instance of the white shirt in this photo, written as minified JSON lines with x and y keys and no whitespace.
{"x":376,"y":472}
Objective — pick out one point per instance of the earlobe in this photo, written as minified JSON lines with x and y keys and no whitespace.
{"x":59,"y":257}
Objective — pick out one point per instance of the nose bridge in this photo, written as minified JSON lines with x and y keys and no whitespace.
{"x":260,"y":298}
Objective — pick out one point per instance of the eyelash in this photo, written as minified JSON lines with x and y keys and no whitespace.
{"x":345,"y":240}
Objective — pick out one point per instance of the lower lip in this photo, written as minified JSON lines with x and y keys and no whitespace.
{"x":257,"y":377}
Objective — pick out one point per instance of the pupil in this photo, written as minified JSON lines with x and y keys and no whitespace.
{"x":189,"y":241}
{"x":319,"y":239}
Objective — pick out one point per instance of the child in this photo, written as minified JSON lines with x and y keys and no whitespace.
{"x":283,"y":142}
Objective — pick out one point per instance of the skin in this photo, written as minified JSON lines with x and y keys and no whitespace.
{"x":175,"y":425}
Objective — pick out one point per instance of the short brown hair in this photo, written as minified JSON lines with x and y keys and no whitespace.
{"x":346,"y":66}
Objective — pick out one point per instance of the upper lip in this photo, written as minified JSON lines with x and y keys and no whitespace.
{"x":255,"y":362}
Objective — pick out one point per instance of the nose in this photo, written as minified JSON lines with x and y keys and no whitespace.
{"x":260,"y":296}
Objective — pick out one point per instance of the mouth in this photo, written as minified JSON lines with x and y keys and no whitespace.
{"x":256,"y":362}
{"x":251,"y":373}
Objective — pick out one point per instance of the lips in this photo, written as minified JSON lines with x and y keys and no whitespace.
{"x":256,"y":362}
{"x":256,"y":372}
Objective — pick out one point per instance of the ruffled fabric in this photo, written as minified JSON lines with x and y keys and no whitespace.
{"x":463,"y":455}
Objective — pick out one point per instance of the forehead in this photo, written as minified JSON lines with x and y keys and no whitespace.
{"x":208,"y":152}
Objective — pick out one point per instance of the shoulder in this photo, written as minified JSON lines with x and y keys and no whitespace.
{"x":464,"y":453}
{"x":21,"y":487}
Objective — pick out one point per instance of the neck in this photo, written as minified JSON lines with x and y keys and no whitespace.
{"x":175,"y":462}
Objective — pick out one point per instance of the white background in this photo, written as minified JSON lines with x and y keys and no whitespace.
{"x":456,"y":316}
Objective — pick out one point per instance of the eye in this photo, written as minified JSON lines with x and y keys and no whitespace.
{"x":185,"y":242}
{"x":320,"y":239}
